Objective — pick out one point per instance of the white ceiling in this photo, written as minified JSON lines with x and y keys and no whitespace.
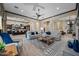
{"x":46,"y":9}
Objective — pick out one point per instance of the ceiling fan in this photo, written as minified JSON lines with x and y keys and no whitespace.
{"x":38,"y":15}
{"x":35,"y":5}
{"x":36,"y":8}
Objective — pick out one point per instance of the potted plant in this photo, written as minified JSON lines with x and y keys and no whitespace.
{"x":2,"y":47}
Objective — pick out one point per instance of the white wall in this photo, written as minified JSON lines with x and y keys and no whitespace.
{"x":60,"y":21}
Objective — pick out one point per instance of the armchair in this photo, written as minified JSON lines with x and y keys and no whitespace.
{"x":8,"y":40}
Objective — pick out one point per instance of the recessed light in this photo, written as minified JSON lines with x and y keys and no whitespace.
{"x":57,"y":8}
{"x":22,"y":10}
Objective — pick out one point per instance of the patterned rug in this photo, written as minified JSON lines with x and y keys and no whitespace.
{"x":49,"y":50}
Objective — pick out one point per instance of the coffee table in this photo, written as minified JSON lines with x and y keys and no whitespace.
{"x":46,"y":39}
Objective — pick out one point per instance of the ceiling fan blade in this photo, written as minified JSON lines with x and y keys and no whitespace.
{"x":34,"y":7}
{"x":41,"y":6}
{"x":37,"y":5}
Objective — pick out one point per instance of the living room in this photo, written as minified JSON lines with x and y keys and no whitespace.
{"x":46,"y":29}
